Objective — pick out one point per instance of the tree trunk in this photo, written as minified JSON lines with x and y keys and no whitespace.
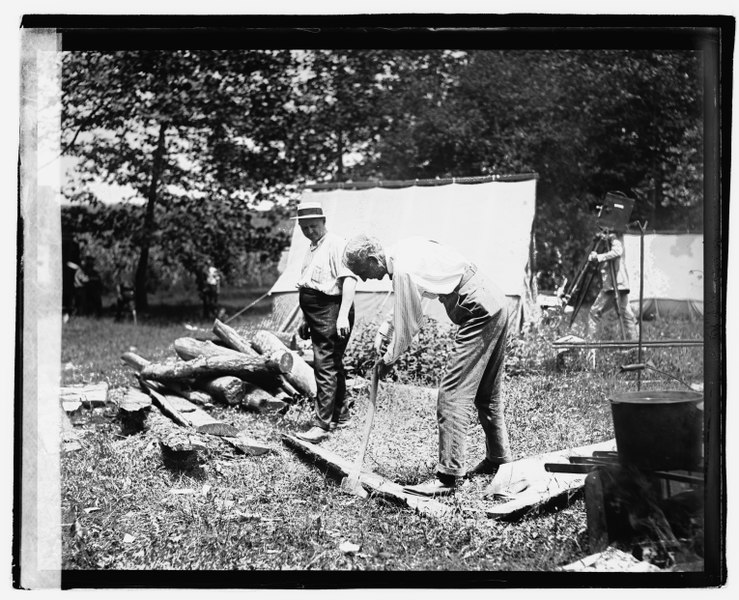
{"x":300,"y":376}
{"x":339,"y":155}
{"x":142,"y":270}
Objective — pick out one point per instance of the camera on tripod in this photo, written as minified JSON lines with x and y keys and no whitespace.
{"x":613,"y":217}
{"x":615,"y":212}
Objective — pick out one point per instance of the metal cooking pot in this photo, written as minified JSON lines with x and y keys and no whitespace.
{"x":659,"y":430}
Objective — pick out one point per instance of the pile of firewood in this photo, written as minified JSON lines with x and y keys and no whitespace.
{"x":260,"y":373}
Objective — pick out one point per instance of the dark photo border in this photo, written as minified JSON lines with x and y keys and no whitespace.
{"x":714,"y":35}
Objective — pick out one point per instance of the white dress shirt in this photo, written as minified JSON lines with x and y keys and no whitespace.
{"x":419,"y":268}
{"x":323,"y":267}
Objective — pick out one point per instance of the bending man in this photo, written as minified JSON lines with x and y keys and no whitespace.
{"x":326,"y":289}
{"x":421,"y":268}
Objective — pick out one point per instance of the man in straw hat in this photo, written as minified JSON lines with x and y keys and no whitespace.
{"x":326,"y":295}
{"x":420,"y":268}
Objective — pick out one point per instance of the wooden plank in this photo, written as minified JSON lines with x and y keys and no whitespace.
{"x":191,"y":413}
{"x":248,"y":445}
{"x":526,"y":484}
{"x":378,"y":484}
{"x":165,"y":405}
{"x":90,"y":395}
{"x":595,"y":512}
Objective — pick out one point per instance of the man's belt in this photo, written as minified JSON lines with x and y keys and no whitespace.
{"x":314,"y":292}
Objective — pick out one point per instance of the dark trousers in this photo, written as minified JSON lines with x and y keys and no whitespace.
{"x":320,"y":312}
{"x":473,"y":377}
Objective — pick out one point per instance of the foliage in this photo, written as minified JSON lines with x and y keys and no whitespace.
{"x":528,"y":353}
{"x":205,"y":135}
{"x":422,"y":364}
{"x":122,"y":509}
{"x":199,"y":135}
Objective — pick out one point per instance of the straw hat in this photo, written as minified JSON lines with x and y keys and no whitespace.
{"x":310,"y":210}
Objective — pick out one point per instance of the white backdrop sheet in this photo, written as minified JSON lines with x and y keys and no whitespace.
{"x":489,"y":223}
{"x":673,"y":266}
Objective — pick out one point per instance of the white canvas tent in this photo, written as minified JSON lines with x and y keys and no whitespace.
{"x":673,"y":273}
{"x":488,"y":220}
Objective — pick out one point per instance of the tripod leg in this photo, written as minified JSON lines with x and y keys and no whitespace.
{"x":614,"y":280}
{"x":581,"y":295}
{"x":581,"y":271}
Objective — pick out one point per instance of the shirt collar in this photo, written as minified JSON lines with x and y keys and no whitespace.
{"x":319,"y":242}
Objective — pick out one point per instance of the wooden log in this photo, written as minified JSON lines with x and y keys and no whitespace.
{"x":227,"y":389}
{"x":178,"y":451}
{"x":189,"y":348}
{"x":233,"y":339}
{"x":132,"y":411}
{"x":300,"y":376}
{"x":195,"y":396}
{"x":230,"y":337}
{"x":208,"y":367}
{"x":260,"y":400}
{"x":377,"y":483}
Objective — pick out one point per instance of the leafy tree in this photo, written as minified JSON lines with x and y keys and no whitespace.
{"x":586,"y":122}
{"x":199,"y":135}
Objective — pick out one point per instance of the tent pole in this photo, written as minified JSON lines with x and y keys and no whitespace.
{"x":641,"y":300}
{"x":243,"y":310}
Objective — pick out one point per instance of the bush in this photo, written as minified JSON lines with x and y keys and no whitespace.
{"x":425,"y":362}
{"x":422,"y":364}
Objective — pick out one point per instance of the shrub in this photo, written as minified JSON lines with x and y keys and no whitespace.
{"x":422,"y":364}
{"x":425,"y":362}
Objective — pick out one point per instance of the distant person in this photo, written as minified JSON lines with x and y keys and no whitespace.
{"x":612,"y":263}
{"x":210,"y":290}
{"x":326,"y":295}
{"x":94,"y":287}
{"x":420,"y":268}
{"x":81,"y":304}
{"x":125,"y":302}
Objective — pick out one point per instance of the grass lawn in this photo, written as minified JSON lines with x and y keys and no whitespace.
{"x":123,"y":509}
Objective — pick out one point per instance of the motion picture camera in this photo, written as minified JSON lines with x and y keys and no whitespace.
{"x":615,"y":212}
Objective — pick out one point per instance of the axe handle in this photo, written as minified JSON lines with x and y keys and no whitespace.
{"x":357,"y":467}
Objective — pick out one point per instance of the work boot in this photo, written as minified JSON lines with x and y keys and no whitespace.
{"x":343,"y":424}
{"x":484,"y":467}
{"x":441,"y":485}
{"x":314,"y":435}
